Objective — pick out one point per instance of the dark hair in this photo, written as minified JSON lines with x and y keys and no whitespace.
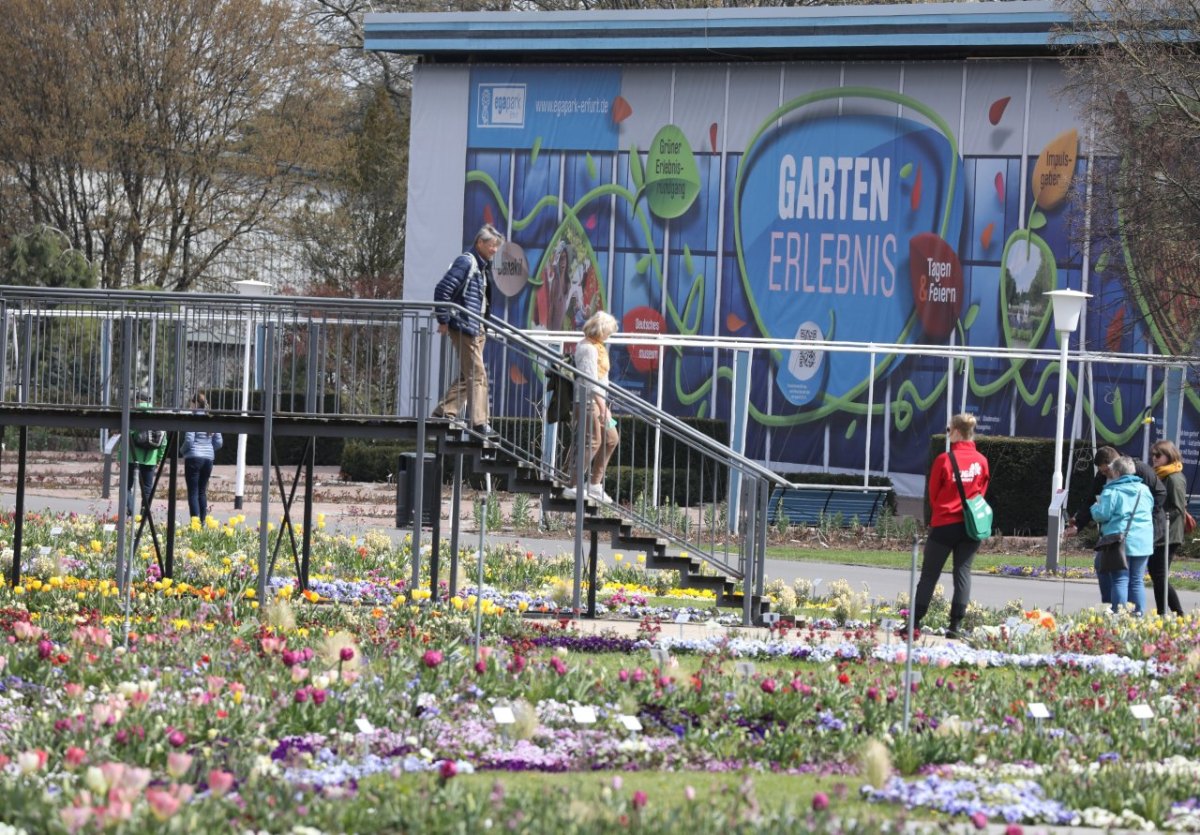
{"x":1105,"y":455}
{"x":200,"y":400}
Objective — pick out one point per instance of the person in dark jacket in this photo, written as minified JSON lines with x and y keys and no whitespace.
{"x":145,"y":452}
{"x":199,"y":450}
{"x":1103,"y":458}
{"x":1168,"y":466}
{"x":947,"y":533}
{"x":468,"y":283}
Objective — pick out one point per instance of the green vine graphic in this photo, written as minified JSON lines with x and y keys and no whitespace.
{"x":668,"y":196}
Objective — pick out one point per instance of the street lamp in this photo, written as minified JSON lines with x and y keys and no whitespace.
{"x":1068,"y":304}
{"x":247,"y":287}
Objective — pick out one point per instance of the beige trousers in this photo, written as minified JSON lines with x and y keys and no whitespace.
{"x":471,"y":384}
{"x":602,"y":443}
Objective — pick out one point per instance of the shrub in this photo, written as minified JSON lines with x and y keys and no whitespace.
{"x":1021,"y":471}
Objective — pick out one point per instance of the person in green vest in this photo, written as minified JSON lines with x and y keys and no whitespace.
{"x":145,"y":452}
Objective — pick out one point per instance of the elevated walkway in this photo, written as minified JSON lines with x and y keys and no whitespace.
{"x":337,"y":368}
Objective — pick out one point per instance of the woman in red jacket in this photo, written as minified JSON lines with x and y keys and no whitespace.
{"x":947,"y":534}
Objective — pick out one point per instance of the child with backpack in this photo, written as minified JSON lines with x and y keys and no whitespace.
{"x":145,"y":453}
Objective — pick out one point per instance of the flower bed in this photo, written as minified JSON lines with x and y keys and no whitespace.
{"x":365,"y":705}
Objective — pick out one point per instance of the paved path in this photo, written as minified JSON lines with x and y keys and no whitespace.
{"x":880,"y":583}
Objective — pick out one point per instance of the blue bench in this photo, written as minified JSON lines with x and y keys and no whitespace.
{"x":808,"y":504}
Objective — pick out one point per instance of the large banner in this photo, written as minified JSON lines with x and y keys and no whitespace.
{"x":918,"y":204}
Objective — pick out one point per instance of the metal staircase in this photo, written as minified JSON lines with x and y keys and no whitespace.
{"x":317,"y":368}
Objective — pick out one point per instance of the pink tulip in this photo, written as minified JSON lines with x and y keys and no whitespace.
{"x":820,"y":802}
{"x":432,"y":658}
{"x":178,"y":763}
{"x":74,"y":757}
{"x":162,"y":803}
{"x":639,"y":799}
{"x":220,"y":782}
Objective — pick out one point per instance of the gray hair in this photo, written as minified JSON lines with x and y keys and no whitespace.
{"x":1123,"y":465}
{"x":487,"y":232}
{"x":600,"y":325}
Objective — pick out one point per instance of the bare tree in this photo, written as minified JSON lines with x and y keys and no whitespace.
{"x":157,"y":133}
{"x":1137,"y":73}
{"x":352,"y":227}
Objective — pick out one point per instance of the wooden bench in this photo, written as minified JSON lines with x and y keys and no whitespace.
{"x":809,"y":504}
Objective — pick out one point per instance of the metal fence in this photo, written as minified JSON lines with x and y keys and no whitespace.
{"x":366,"y":368}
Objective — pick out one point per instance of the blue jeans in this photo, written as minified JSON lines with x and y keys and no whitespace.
{"x":196,"y":472}
{"x":1120,"y":587}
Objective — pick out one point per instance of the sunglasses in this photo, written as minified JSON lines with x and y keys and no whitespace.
{"x":1157,"y":454}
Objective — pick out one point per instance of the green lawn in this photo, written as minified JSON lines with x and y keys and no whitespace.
{"x":668,"y":790}
{"x":984,"y":562}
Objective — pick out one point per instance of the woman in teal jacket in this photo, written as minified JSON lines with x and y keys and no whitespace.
{"x":1125,"y":495}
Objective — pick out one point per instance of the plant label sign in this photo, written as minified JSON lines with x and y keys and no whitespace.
{"x":56,"y":530}
{"x":584,"y":714}
{"x":1141,"y":711}
{"x":1038,"y":710}
{"x":503,"y":714}
{"x":659,"y":656}
{"x":109,"y":527}
{"x":631,"y":723}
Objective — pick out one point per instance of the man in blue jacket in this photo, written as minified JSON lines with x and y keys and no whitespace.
{"x":468,"y":283}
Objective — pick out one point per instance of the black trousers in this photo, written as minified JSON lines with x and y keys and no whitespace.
{"x":943,"y":541}
{"x":1160,"y":567}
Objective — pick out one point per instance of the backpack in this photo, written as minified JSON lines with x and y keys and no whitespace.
{"x":149,"y":439}
{"x":562,"y":391}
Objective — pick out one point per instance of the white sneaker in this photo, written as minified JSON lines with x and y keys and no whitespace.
{"x":596,"y":491}
{"x":568,"y":493}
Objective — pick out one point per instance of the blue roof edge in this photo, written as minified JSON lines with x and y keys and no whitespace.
{"x":984,"y":28}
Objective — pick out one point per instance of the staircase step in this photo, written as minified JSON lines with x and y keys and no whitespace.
{"x":516,"y":476}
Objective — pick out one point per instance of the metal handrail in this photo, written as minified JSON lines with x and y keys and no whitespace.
{"x":361,"y":354}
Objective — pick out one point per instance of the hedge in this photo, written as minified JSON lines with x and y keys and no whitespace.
{"x":1021,"y":471}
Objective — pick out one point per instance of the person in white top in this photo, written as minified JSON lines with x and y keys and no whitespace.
{"x":591,"y":358}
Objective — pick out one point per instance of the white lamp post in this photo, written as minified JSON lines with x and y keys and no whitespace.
{"x":1068,"y":304}
{"x":248,"y":287}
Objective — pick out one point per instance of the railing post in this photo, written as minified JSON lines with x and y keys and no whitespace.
{"x":549,"y":430}
{"x":581,"y":431}
{"x":22,"y":450}
{"x":749,"y":542}
{"x":239,"y":475}
{"x":423,"y":356}
{"x":314,"y":406}
{"x":870,"y":416}
{"x":106,"y":351}
{"x":264,"y":512}
{"x":760,"y":551}
{"x":739,"y":411}
{"x":126,"y":394}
